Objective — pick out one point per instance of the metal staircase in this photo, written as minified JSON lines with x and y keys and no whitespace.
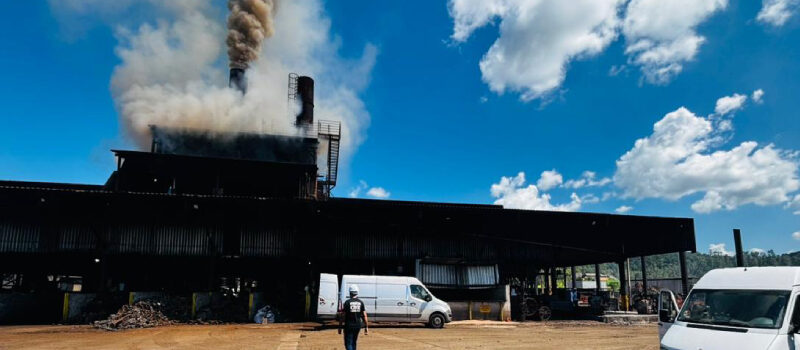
{"x":331,"y":131}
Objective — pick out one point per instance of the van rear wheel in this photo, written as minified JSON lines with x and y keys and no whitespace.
{"x":436,"y":321}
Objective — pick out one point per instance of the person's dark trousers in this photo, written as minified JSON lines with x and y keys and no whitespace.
{"x":350,"y":338}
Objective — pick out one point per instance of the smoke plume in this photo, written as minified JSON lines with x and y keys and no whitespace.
{"x":170,"y":72}
{"x":249,"y":23}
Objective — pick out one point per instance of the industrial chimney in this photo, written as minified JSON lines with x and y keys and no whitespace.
{"x":305,"y":91}
{"x":237,"y":80}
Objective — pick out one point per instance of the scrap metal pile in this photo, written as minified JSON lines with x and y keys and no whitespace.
{"x":142,"y":314}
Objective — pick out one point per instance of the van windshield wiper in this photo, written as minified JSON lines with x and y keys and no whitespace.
{"x":739,"y":323}
{"x":735,"y":323}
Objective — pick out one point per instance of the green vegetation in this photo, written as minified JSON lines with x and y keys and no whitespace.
{"x":667,"y":266}
{"x":613,"y":284}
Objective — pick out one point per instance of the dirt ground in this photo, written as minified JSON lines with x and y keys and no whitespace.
{"x":458,"y":335}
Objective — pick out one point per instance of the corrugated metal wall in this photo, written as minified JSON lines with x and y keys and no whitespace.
{"x":261,"y":242}
{"x":481,"y":275}
{"x":18,"y":237}
{"x":454,"y":275}
{"x":167,"y":239}
{"x":438,"y":274}
{"x":75,"y":237}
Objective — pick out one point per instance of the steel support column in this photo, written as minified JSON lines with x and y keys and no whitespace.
{"x":737,"y":240}
{"x":624,"y":294}
{"x":572,"y":272}
{"x":548,"y":272}
{"x":597,"y":278}
{"x":684,"y":273}
{"x":644,"y":275}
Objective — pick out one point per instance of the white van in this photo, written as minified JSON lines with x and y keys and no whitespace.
{"x":386,"y":298}
{"x":753,"y":308}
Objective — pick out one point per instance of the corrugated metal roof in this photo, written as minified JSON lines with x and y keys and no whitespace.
{"x":339,"y":228}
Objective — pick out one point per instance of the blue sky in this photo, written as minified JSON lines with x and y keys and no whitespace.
{"x":432,"y":128}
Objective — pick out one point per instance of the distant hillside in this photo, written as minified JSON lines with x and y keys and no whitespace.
{"x":666,"y":266}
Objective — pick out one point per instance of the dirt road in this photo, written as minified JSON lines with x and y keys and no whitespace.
{"x":464,"y":335}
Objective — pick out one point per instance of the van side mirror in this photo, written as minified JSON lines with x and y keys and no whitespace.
{"x":665,"y":315}
{"x":794,"y":327}
{"x":428,"y":298}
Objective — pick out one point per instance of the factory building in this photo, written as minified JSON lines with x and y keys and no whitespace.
{"x":205,"y":211}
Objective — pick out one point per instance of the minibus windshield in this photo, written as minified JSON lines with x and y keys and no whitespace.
{"x":738,"y":308}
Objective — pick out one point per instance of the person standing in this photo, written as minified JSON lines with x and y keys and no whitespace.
{"x":354,"y":317}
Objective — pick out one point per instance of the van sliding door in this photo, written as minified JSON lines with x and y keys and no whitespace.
{"x":391,"y":302}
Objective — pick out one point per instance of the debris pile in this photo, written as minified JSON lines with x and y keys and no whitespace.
{"x":142,"y":314}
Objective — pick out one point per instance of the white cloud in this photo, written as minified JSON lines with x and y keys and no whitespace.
{"x":590,"y":199}
{"x":616,"y":70}
{"x":608,"y":195}
{"x":356,"y":191}
{"x":758,"y":251}
{"x":549,"y":179}
{"x":777,"y":12}
{"x":711,"y":202}
{"x":587,"y":179}
{"x":623,"y":209}
{"x":374,"y":192}
{"x":661,"y":35}
{"x":537,"y":39}
{"x":378,"y":192}
{"x":719,"y":250}
{"x":682,"y":157}
{"x":796,"y":235}
{"x":729,"y":104}
{"x":794,"y":204}
{"x":512,"y":193}
{"x":757,"y":96}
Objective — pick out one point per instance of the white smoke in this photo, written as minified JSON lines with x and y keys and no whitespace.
{"x":172,"y":73}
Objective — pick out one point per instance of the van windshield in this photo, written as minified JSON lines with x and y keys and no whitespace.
{"x":738,"y":308}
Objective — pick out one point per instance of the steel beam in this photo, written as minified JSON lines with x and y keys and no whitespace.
{"x":684,"y":273}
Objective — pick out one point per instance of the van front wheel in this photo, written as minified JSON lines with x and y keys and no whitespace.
{"x":436,"y":321}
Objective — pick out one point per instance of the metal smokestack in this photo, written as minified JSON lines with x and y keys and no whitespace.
{"x":237,"y":80}
{"x":305,"y":91}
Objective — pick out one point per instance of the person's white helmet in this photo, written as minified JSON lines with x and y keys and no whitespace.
{"x":353,"y":290}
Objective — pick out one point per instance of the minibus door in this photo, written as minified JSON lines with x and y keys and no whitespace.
{"x":667,"y":312}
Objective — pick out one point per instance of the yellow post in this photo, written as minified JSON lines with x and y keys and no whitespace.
{"x":469,"y":305}
{"x":308,"y":305}
{"x":194,"y":304}
{"x":130,"y":298}
{"x":250,"y":307}
{"x":501,"y":311}
{"x":65,"y":308}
